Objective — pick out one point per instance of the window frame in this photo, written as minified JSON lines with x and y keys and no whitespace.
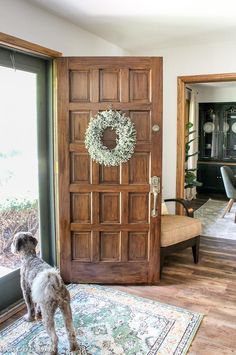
{"x":42,"y":67}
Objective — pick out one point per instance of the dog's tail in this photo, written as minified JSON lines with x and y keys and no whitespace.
{"x":46,"y":286}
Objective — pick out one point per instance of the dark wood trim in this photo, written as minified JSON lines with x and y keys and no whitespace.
{"x":182,"y":81}
{"x":29,"y":47}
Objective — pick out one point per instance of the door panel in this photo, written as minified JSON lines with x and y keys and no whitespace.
{"x":107,"y":234}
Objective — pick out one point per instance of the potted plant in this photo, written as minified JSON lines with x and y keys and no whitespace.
{"x":190,"y":180}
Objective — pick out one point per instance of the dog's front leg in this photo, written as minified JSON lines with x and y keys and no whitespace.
{"x":29,"y":317}
{"x":38,"y":313}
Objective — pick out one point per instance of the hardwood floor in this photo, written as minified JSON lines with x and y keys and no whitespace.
{"x":209,"y":288}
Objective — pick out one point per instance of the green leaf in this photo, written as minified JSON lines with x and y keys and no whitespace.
{"x":189,"y":125}
{"x":187,"y":147}
{"x":193,"y":184}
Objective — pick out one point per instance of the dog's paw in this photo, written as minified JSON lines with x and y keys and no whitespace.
{"x":28,"y":318}
{"x":74,"y":346}
{"x":79,"y":350}
{"x":38,"y":316}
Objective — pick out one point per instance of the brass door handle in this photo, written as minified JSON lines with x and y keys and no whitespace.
{"x":155,"y":189}
{"x":154,"y":210}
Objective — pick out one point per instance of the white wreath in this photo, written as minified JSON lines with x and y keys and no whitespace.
{"x":126,"y":138}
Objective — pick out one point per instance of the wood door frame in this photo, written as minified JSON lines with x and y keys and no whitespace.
{"x":19,"y":45}
{"x":182,"y":81}
{"x":28,"y":47}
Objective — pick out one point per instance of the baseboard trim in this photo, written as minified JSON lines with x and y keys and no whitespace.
{"x":7,"y":313}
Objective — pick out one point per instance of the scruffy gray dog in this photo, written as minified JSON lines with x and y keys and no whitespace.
{"x":43,"y":286}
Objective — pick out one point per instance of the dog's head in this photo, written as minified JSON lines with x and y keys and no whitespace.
{"x":23,"y":242}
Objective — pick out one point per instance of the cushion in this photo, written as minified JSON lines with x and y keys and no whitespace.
{"x":164,"y":209}
{"x":176,"y":229}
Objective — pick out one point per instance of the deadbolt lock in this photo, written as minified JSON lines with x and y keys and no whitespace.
{"x":156,"y":128}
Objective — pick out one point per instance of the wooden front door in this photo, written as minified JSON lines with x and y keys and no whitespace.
{"x":106,"y":230}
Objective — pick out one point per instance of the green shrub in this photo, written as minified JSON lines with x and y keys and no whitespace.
{"x":16,"y":204}
{"x":16,"y":216}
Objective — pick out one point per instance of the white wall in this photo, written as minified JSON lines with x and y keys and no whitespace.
{"x":215,"y":94}
{"x":189,"y":60}
{"x":21,"y":19}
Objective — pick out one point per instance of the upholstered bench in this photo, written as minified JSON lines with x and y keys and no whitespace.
{"x":179,"y":232}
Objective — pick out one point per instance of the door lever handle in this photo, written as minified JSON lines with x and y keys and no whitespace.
{"x":155,"y":190}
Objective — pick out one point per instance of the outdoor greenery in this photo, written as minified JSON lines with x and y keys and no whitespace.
{"x":16,"y":216}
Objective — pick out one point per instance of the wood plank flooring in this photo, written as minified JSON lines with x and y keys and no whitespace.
{"x":209,"y":288}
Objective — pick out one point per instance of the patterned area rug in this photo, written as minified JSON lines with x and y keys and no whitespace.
{"x":213,"y":225}
{"x":107,"y":322}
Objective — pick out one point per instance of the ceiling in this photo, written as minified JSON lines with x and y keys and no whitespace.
{"x":141,"y":26}
{"x":216,"y":85}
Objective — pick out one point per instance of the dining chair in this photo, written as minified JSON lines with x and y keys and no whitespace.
{"x":229,"y":181}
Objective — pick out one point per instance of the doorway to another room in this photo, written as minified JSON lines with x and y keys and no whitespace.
{"x":209,"y":143}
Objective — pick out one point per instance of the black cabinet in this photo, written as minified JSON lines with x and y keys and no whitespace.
{"x":217,"y":131}
{"x":210,"y":176}
{"x":217,"y":144}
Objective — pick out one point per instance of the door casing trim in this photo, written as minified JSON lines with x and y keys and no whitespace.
{"x":181,"y":84}
{"x":25,"y":46}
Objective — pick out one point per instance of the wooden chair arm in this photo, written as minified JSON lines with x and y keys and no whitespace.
{"x":184,"y":203}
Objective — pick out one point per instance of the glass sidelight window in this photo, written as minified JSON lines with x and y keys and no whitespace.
{"x":26,"y":176}
{"x":18,"y":161}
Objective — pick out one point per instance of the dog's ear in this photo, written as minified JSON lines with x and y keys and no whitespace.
{"x":18,"y":244}
{"x":32,"y":239}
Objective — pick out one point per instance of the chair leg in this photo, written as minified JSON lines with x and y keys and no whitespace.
{"x":228,"y":207}
{"x":195,"y":250}
{"x":232,"y":199}
{"x":162,"y":262}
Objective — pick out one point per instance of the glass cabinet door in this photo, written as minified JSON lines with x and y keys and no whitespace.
{"x":210,"y":137}
{"x":229,"y":134}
